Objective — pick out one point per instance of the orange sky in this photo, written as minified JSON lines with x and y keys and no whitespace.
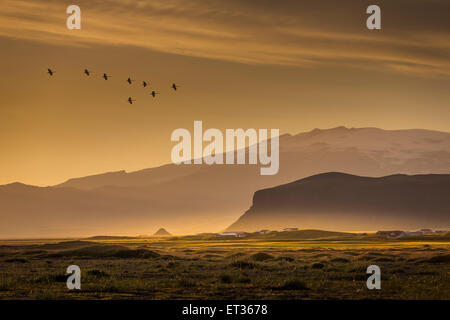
{"x":292,"y":65}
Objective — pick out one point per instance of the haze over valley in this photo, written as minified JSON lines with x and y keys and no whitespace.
{"x":201,"y":198}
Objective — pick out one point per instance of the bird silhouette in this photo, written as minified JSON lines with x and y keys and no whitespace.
{"x":50,"y":72}
{"x":144,"y":84}
{"x":129,"y":80}
{"x":154,"y":93}
{"x":174,"y":86}
{"x":87,"y":72}
{"x":130,"y":100}
{"x":105,"y":76}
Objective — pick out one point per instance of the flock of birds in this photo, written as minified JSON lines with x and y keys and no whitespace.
{"x":129,"y":80}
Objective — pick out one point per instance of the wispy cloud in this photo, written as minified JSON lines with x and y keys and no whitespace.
{"x":293,"y":33}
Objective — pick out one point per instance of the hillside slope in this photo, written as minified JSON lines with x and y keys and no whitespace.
{"x":338,"y":201}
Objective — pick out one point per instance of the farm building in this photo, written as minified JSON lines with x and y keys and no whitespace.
{"x":396,"y":234}
{"x":414,"y":233}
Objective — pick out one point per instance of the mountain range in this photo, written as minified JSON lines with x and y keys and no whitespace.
{"x":199,"y":198}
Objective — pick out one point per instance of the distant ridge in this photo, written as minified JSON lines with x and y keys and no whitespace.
{"x":162,"y":232}
{"x":109,"y":238}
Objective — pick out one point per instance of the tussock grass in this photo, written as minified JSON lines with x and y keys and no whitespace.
{"x":318,"y":265}
{"x":242,"y":264}
{"x":98,"y":273}
{"x":340,"y":260}
{"x":261,"y":256}
{"x":17,"y":260}
{"x":250,"y":269}
{"x":293,"y":284}
{"x":439,"y":259}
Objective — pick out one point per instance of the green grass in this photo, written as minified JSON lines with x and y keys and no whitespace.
{"x":185,"y":268}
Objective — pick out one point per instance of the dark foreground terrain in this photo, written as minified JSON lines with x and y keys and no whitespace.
{"x":191,"y":268}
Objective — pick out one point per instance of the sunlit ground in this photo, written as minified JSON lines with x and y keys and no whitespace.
{"x":178,"y":268}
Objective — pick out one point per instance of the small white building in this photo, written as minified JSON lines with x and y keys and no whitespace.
{"x":227,"y":234}
{"x":263,"y":231}
{"x":233,"y":234}
{"x":290,"y":229}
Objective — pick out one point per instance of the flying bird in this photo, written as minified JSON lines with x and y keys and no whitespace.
{"x":50,"y":72}
{"x":144,"y":84}
{"x":105,"y":76}
{"x":154,"y":93}
{"x":87,"y":72}
{"x":174,"y":86}
{"x":129,"y":80}
{"x":130,"y":100}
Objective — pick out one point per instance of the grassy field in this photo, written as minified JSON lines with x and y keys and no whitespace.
{"x":205,"y":267}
